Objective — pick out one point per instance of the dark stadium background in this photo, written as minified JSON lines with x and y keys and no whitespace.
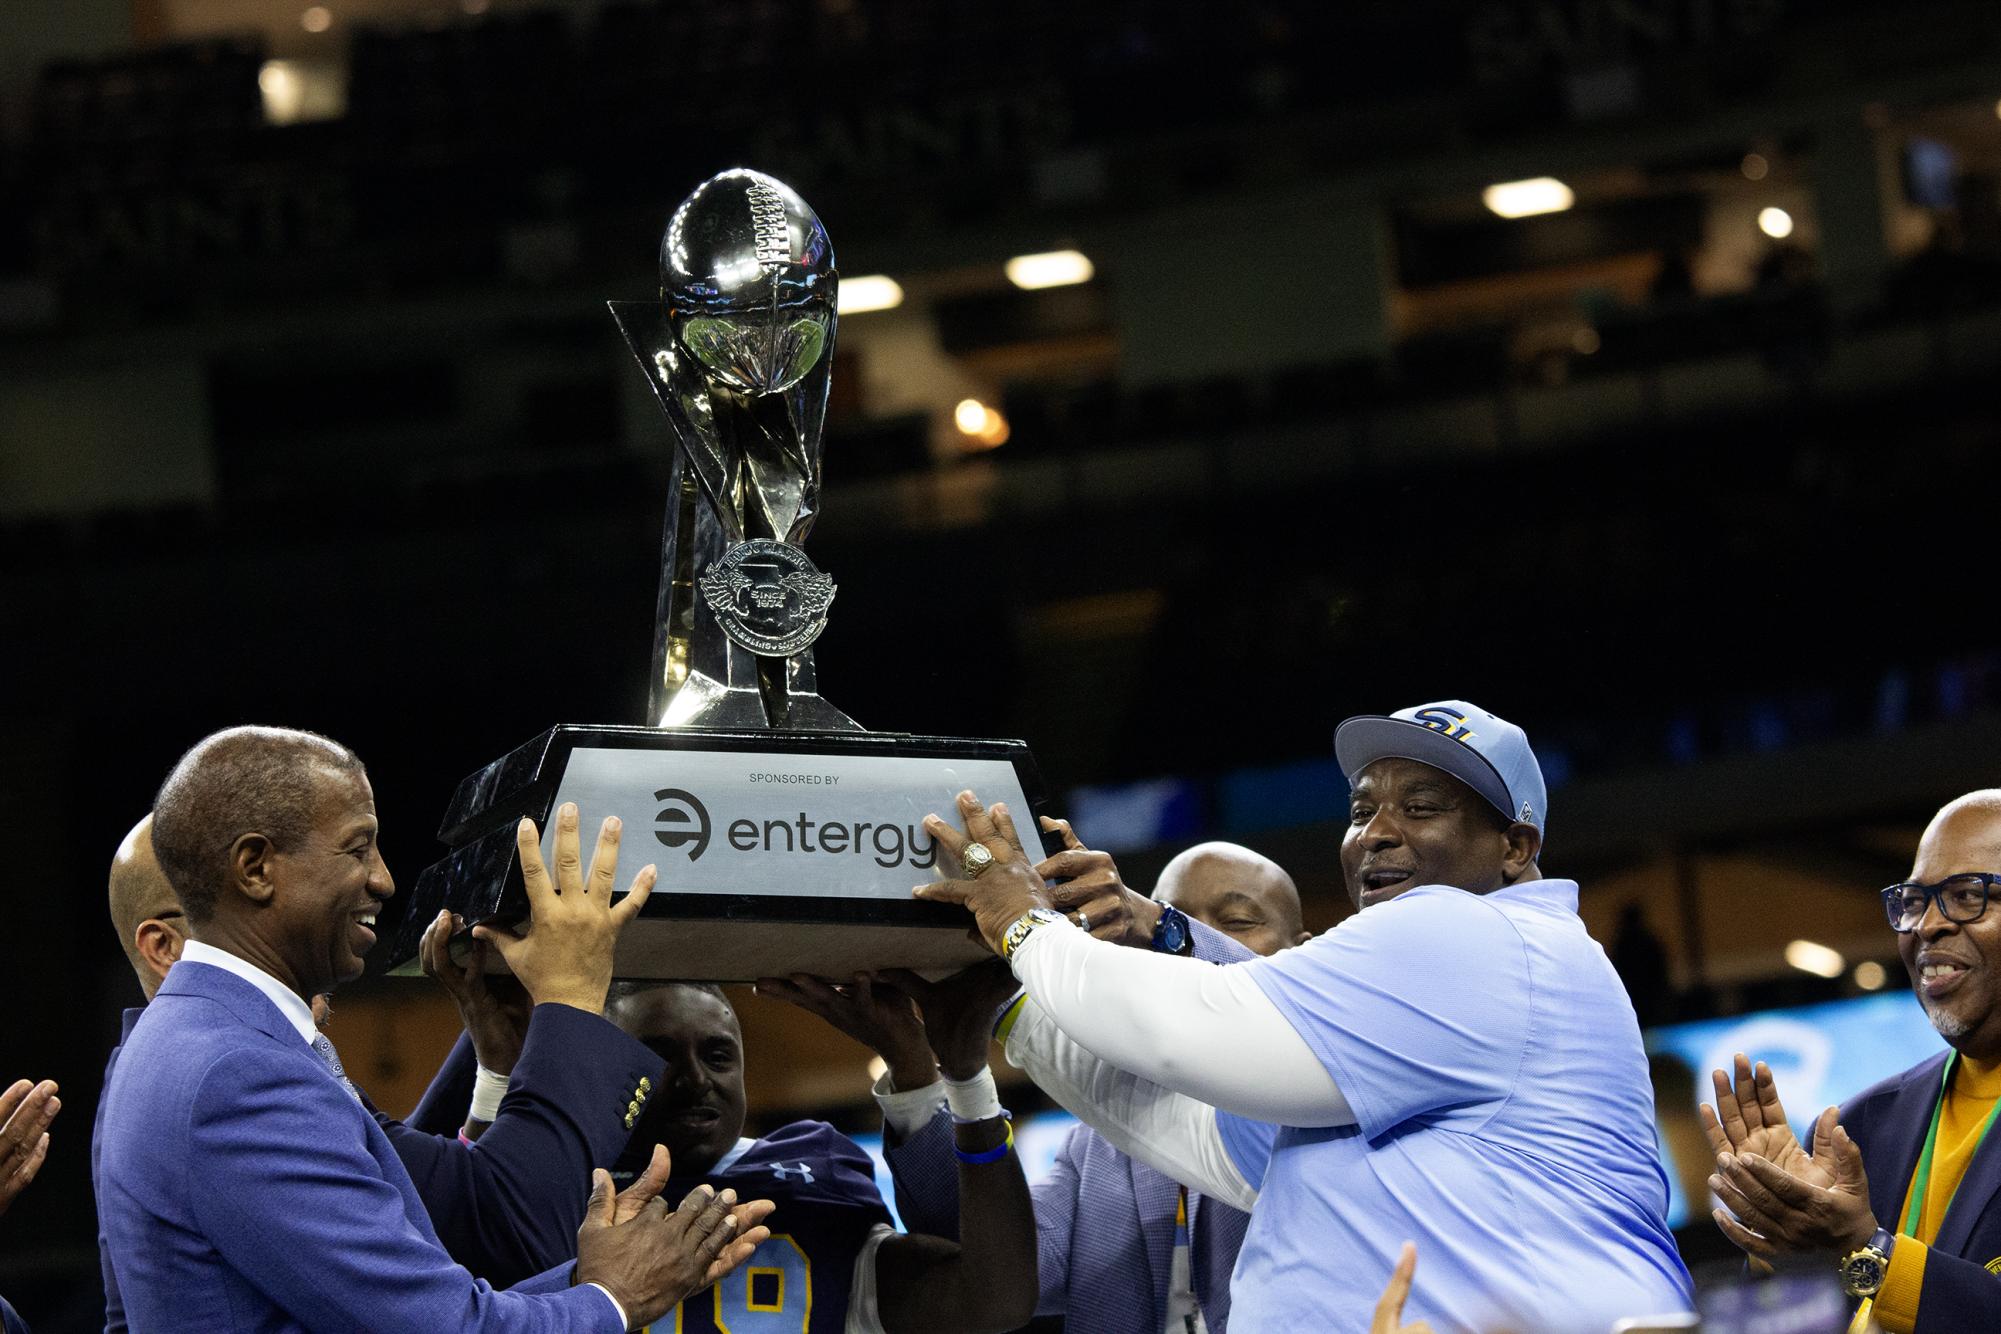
{"x":310,"y":413}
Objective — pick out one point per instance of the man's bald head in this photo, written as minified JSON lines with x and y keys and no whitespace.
{"x":1239,"y":892}
{"x":144,"y":910}
{"x":1965,"y":827}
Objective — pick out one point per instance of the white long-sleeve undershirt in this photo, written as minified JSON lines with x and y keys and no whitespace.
{"x":1146,"y":1047}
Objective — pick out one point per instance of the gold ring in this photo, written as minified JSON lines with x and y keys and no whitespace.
{"x":976,"y":859}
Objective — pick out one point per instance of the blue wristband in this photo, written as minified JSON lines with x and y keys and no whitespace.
{"x":984,"y":1156}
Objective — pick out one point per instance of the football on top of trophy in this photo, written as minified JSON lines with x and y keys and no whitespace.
{"x":748,"y":281}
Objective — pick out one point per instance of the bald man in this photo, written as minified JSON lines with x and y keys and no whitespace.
{"x":1901,"y":1195}
{"x":1121,"y":1248}
{"x":151,"y":929}
{"x":147,"y":916}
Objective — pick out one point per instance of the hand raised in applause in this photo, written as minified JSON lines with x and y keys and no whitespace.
{"x":651,"y":1260}
{"x":25,"y":1113}
{"x":565,"y":957}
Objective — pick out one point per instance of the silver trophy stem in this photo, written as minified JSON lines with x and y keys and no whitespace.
{"x":700,"y":676}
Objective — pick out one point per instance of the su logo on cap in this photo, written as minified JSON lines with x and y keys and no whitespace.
{"x":1446,"y":721}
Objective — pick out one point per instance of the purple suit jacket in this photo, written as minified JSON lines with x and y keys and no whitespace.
{"x":510,"y":1207}
{"x":1104,"y":1224}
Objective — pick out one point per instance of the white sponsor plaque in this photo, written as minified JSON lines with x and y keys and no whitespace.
{"x":777,"y":852}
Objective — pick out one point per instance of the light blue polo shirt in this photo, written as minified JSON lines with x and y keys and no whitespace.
{"x":1506,"y":1126}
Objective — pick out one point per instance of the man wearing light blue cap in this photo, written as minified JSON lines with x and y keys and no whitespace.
{"x":1456,"y":1064}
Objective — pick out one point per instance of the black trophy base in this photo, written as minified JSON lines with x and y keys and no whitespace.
{"x":778,"y":852}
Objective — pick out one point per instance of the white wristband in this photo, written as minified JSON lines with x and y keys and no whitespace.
{"x":974,"y":1099}
{"x":487,"y":1091}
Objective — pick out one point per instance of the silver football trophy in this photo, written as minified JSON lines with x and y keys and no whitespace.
{"x":740,"y":351}
{"x":787,"y":837}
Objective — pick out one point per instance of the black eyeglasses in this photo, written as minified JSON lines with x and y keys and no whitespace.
{"x":1962,"y":898}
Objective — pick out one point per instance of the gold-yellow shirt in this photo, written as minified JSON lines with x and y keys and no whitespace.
{"x":1968,"y":1103}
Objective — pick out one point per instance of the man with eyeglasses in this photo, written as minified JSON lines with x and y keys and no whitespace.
{"x":1902,"y":1190}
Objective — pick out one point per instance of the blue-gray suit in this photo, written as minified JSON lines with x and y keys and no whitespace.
{"x":1104,"y":1224}
{"x":240,"y":1186}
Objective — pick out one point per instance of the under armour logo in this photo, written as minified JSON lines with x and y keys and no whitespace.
{"x":785,"y":1173}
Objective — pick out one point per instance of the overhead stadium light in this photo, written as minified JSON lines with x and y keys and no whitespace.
{"x":871,"y":291}
{"x":1870,"y":975}
{"x":1775,"y":223}
{"x":1810,"y":956}
{"x":1054,"y":268}
{"x":1525,"y":199}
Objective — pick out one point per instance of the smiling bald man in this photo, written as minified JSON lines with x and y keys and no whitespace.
{"x":1902,"y":1192}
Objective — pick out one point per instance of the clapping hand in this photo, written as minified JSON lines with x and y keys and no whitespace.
{"x":25,"y":1113}
{"x":650,"y":1259}
{"x":1781,"y":1199}
{"x":1748,"y":1118}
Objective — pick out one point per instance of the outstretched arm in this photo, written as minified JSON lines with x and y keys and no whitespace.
{"x":1168,"y":1131}
{"x":1181,"y":1024}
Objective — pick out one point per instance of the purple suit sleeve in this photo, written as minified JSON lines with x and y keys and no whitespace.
{"x":509,"y":1206}
{"x":442,"y":1109}
{"x":309,"y":1218}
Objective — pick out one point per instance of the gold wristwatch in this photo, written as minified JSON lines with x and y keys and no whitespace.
{"x":1019,"y":928}
{"x":1862,"y":1270}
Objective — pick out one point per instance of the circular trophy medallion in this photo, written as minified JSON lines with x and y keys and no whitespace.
{"x":768,"y":597}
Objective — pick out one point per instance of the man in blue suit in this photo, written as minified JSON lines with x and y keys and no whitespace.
{"x":1120,"y":1246}
{"x":243,"y":1182}
{"x":1902,"y":1192}
{"x":506,"y":1210}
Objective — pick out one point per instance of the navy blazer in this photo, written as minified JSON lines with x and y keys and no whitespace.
{"x":1104,"y":1224}
{"x":1888,"y":1122}
{"x":240,"y":1186}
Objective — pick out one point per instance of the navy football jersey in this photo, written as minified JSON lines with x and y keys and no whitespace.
{"x":799,"y":1281}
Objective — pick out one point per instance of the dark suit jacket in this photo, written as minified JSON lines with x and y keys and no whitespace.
{"x":1104,"y":1224}
{"x":1962,"y":1288}
{"x":510,"y":1207}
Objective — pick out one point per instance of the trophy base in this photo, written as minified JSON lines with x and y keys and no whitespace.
{"x":778,"y":852}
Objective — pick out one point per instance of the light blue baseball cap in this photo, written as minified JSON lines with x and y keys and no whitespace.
{"x":1487,"y":753}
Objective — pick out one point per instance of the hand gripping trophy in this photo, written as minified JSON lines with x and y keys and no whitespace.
{"x":739,"y":352}
{"x":787,"y":837}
